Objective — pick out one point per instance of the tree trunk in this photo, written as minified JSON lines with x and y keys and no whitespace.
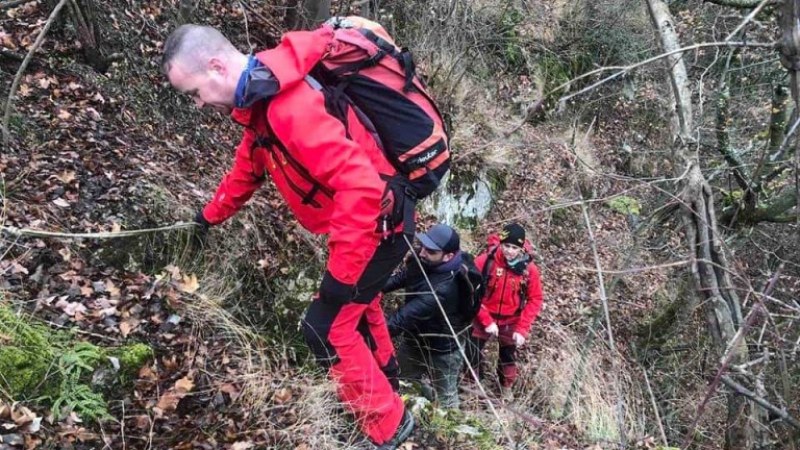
{"x":709,"y":264}
{"x":82,"y":14}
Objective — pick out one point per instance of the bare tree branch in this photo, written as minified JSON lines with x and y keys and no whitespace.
{"x":742,"y":4}
{"x":655,"y":408}
{"x":622,"y":70}
{"x":23,"y":66}
{"x":761,"y":401}
{"x":747,"y":19}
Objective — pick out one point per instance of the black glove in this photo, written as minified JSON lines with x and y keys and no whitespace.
{"x":200,"y":232}
{"x":334,"y":291}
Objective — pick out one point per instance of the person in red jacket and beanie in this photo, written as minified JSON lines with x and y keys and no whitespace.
{"x":512,"y":301}
{"x":334,"y":177}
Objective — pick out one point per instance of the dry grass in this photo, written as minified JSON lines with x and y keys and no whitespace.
{"x":582,"y":392}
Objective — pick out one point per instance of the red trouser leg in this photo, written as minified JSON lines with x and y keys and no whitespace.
{"x":331,"y":331}
{"x":377,"y":334}
{"x":351,"y":341}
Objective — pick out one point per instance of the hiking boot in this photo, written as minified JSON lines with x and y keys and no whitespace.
{"x":403,"y":432}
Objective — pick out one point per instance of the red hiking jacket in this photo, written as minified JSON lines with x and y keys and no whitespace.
{"x":501,"y":303}
{"x":329,"y":175}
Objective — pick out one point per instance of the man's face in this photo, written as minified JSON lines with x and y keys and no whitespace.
{"x":208,"y":87}
{"x":431,"y":257}
{"x":511,"y":251}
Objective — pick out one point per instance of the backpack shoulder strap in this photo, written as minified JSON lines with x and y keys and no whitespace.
{"x":486,"y":271}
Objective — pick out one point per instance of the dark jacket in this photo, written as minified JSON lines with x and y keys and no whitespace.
{"x":420,"y":317}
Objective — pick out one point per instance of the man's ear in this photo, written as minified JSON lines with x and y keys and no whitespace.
{"x":216,"y":65}
{"x":448,"y":256}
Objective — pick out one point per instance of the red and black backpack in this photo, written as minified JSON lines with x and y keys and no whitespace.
{"x":364,"y":68}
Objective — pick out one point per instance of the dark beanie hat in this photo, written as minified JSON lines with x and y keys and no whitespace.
{"x":514,"y":234}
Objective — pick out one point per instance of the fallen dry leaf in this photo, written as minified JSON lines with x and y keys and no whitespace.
{"x":168,"y":401}
{"x":282,"y":395}
{"x":189,"y":284}
{"x":184,"y":385}
{"x":127,"y":326}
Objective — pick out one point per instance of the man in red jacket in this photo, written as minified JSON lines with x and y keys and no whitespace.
{"x":334,"y":177}
{"x":512,"y":301}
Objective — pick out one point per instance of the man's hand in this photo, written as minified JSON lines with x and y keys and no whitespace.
{"x":493,"y":329}
{"x":334,"y":291}
{"x":519,"y":340}
{"x":200,"y":232}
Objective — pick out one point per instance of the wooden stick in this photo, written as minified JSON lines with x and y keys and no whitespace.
{"x":25,"y":232}
{"x":655,"y":408}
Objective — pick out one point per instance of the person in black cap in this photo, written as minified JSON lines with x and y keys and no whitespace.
{"x":428,"y":347}
{"x":511,"y":303}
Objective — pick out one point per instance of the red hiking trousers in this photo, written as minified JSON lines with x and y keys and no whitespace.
{"x":351,"y":340}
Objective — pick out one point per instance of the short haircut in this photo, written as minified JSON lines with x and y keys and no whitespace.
{"x":193,"y":45}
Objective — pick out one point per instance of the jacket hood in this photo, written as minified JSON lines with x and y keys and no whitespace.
{"x":275,"y":70}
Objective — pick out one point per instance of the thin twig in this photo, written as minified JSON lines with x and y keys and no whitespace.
{"x":637,"y":269}
{"x":747,"y":19}
{"x":23,"y":66}
{"x":600,"y":281}
{"x":604,"y":299}
{"x":25,"y":232}
{"x":726,"y":360}
{"x":655,"y":408}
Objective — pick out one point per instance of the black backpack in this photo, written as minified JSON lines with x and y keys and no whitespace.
{"x":471,"y":287}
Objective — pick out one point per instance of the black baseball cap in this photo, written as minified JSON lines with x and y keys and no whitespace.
{"x":440,"y":237}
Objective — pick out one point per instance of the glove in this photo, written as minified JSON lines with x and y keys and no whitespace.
{"x":200,"y":232}
{"x":334,"y":291}
{"x":519,"y":339}
{"x":493,"y":329}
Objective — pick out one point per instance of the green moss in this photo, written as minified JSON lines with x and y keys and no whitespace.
{"x":732,"y":198}
{"x":20,"y":370}
{"x":39,"y":364}
{"x":625,"y":205}
{"x":25,"y":354}
{"x":131,"y":359}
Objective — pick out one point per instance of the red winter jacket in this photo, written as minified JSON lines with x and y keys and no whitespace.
{"x":329,"y":175}
{"x":501,"y":303}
